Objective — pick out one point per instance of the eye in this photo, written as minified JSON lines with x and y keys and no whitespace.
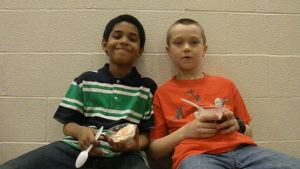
{"x":195,"y":42}
{"x":177,"y":43}
{"x":133,"y":39}
{"x":116,"y":36}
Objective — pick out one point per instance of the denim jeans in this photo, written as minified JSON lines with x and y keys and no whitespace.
{"x":243,"y":157}
{"x":59,"y":155}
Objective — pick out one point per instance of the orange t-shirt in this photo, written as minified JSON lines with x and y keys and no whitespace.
{"x":171,"y":113}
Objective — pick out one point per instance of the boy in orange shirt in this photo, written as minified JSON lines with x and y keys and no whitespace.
{"x":200,"y":139}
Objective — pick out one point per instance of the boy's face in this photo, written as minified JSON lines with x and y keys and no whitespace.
{"x":186,"y":46}
{"x":123,"y":45}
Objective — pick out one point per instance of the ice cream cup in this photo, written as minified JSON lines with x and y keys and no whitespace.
{"x":122,"y":133}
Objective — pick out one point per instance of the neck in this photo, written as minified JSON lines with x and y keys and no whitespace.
{"x":189,"y":75}
{"x":119,"y":71}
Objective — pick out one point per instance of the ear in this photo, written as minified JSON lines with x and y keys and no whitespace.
{"x":141,"y":51}
{"x":204,"y":50}
{"x":167,"y":49}
{"x":104,"y":45}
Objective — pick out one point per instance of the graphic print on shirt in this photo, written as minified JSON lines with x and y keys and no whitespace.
{"x":197,"y":97}
{"x":180,"y":113}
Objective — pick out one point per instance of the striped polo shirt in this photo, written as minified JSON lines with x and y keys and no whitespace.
{"x":96,"y":99}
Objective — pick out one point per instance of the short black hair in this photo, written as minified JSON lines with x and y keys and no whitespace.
{"x":127,"y":18}
{"x":186,"y":21}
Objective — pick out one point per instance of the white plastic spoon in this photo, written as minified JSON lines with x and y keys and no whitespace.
{"x":196,"y":113}
{"x":83,"y":156}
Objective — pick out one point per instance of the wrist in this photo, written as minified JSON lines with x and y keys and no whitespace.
{"x":241,"y":125}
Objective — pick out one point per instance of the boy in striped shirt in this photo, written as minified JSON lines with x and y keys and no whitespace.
{"x":115,"y":94}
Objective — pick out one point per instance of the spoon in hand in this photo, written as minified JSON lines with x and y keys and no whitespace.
{"x":197,"y":113}
{"x":83,"y":156}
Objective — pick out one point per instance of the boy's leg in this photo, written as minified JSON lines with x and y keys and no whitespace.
{"x":52,"y":156}
{"x":207,"y":161}
{"x":126,"y":161}
{"x":253,"y":157}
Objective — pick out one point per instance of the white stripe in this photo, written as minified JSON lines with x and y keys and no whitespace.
{"x":111,"y":117}
{"x":96,"y":90}
{"x":117,"y":85}
{"x":73,"y":101}
{"x":102,"y":149}
{"x":113,"y":111}
{"x":71,"y":107}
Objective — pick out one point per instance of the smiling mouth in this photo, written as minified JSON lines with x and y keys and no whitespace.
{"x":122,"y":50}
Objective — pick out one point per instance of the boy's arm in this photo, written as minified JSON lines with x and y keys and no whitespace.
{"x":165,"y":145}
{"x":85,"y":136}
{"x":143,"y":141}
{"x":202,"y":127}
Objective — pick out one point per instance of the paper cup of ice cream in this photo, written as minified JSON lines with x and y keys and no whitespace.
{"x":122,"y":132}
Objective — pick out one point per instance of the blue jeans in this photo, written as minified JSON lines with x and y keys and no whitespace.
{"x":243,"y":157}
{"x":59,"y":155}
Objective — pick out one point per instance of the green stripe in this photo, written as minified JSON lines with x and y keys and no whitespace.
{"x":75,"y":93}
{"x":72,"y":104}
{"x":124,"y":102}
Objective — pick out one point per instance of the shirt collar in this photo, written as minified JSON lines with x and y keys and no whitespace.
{"x":132,"y":79}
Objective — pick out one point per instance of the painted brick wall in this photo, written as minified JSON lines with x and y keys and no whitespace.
{"x":45,"y":44}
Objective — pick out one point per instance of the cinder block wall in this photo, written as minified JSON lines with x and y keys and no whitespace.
{"x":45,"y":44}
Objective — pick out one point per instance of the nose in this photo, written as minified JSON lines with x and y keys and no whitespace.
{"x":186,"y":47}
{"x":124,"y":40}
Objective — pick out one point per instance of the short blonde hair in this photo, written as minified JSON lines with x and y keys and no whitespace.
{"x":186,"y":21}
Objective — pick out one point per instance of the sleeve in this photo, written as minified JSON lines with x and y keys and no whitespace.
{"x":240,"y":109}
{"x":71,"y":106}
{"x":160,"y":127}
{"x":147,"y":121}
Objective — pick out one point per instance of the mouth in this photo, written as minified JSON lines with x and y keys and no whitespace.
{"x":187,"y":57}
{"x":122,"y":50}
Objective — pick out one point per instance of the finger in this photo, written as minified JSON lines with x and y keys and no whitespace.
{"x":208,"y":117}
{"x":96,"y":152}
{"x":228,"y":114}
{"x":208,"y":125}
{"x":228,"y":130}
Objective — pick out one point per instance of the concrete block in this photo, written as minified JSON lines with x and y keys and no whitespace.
{"x":282,"y":34}
{"x":247,"y":34}
{"x":24,"y":119}
{"x":248,"y":72}
{"x":54,"y":128}
{"x":216,"y":30}
{"x":156,"y":29}
{"x":227,"y":5}
{"x":284,"y":78}
{"x":287,"y":6}
{"x":49,"y":4}
{"x":274,"y":119}
{"x":2,"y":77}
{"x":42,"y":74}
{"x":98,"y":61}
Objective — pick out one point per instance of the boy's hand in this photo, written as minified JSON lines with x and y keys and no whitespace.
{"x":202,"y":127}
{"x":124,"y":146}
{"x":86,"y":136}
{"x":229,"y":124}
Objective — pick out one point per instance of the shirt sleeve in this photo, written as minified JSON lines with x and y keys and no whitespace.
{"x":240,"y":109}
{"x":147,"y":121}
{"x":71,"y":106}
{"x":160,"y":127}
